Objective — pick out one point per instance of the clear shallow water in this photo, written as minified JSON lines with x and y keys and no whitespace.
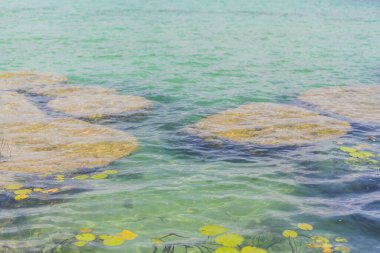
{"x":192,"y":59}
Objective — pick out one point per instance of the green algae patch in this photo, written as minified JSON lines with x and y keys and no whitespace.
{"x":24,"y":79}
{"x":269,"y":124}
{"x":93,"y":105}
{"x":36,"y":143}
{"x":357,"y":103}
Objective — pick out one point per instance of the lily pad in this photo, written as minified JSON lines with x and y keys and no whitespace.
{"x":86,"y":237}
{"x":305,"y":226}
{"x":348,"y":149}
{"x":13,"y":186}
{"x":226,"y":250}
{"x":23,"y":192}
{"x":289,"y":234}
{"x":341,"y":239}
{"x":212,"y":230}
{"x":80,"y":243}
{"x":21,"y":197}
{"x":113,"y":241}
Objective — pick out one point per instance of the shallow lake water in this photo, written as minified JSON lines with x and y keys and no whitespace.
{"x":193,"y":59}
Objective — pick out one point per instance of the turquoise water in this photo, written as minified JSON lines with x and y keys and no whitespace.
{"x":193,"y":59}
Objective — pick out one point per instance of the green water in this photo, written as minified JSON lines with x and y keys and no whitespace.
{"x":193,"y":59}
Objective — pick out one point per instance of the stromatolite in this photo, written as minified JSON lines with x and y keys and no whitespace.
{"x":269,"y":124}
{"x":357,"y":103}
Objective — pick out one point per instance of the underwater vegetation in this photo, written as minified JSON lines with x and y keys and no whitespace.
{"x":217,"y":239}
{"x":47,"y":184}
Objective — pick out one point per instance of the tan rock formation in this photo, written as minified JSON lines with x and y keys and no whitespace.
{"x":35,"y":143}
{"x":83,"y":104}
{"x":357,"y":103}
{"x":24,"y":79}
{"x":269,"y":124}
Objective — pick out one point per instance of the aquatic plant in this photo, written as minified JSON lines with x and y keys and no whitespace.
{"x":359,"y":157}
{"x":297,"y":240}
{"x":19,"y":192}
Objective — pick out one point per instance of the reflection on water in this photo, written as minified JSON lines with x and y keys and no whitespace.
{"x":194,"y":59}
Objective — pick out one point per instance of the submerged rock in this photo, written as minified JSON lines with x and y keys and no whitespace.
{"x":36,"y":143}
{"x":360,"y":103}
{"x":269,"y":124}
{"x":92,"y":105}
{"x":23,"y":79}
{"x":65,"y":90}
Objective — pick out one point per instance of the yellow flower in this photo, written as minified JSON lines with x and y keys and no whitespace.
{"x":211,"y":230}
{"x":341,"y":239}
{"x":21,"y":197}
{"x":320,"y":239}
{"x":361,"y":154}
{"x":110,"y":172}
{"x":47,"y":191}
{"x":12,"y":187}
{"x":37,"y":190}
{"x":226,"y":250}
{"x":113,"y":241}
{"x":127,"y":235}
{"x":80,"y":177}
{"x":327,"y":248}
{"x":348,"y":149}
{"x":249,"y":249}
{"x":23,"y":192}
{"x":229,"y":240}
{"x":290,"y":234}
{"x":85,"y":237}
{"x":103,"y":236}
{"x":99,"y":176}
{"x":305,"y":226}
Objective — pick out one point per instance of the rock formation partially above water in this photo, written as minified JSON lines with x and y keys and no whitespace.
{"x":358,"y":103}
{"x":24,"y":79}
{"x":36,"y":143}
{"x":269,"y":124}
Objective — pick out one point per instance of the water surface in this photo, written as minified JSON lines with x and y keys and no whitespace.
{"x":193,"y":59}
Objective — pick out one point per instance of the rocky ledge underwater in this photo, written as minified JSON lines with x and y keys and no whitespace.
{"x":50,"y":141}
